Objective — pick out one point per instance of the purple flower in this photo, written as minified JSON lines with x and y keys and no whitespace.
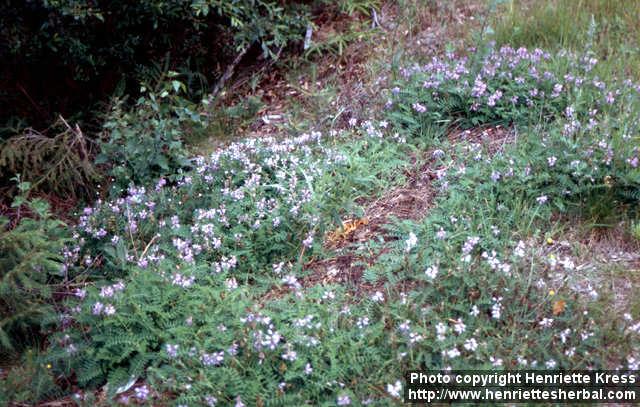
{"x":479,"y":88}
{"x":610,"y":98}
{"x":142,"y":392}
{"x":97,"y":308}
{"x":419,"y":107}
{"x":308,"y":242}
{"x":290,"y":355}
{"x":161,"y":182}
{"x":212,"y":359}
{"x":344,"y":400}
{"x":494,"y":98}
{"x":172,"y":350}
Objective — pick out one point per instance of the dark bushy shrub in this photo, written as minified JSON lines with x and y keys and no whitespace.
{"x":145,"y":142}
{"x":59,"y":56}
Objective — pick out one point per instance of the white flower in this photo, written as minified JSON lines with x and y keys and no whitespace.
{"x":405,"y":326}
{"x":459,"y":326}
{"x":328,"y":295}
{"x":550,"y":364}
{"x":496,"y":362}
{"x":474,"y":311}
{"x":109,"y":310}
{"x":418,"y":107}
{"x":231,"y":283}
{"x":438,"y":153}
{"x":411,"y":242}
{"x":277,"y":268}
{"x":542,"y":199}
{"x":471,"y":344}
{"x":546,"y":322}
{"x":496,"y":308}
{"x":362,"y":322}
{"x":97,"y":308}
{"x":441,"y":330}
{"x":377,"y":297}
{"x":394,"y":389}
{"x":290,"y":355}
{"x":142,"y":392}
{"x":431,"y":272}
{"x":308,"y":242}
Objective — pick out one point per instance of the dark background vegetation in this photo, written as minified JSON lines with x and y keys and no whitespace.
{"x":67,"y":57}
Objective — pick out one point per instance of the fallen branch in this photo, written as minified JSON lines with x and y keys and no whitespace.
{"x":229,"y":72}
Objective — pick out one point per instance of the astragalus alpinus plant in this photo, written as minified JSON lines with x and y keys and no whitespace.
{"x":179,"y":270}
{"x":586,"y":127}
{"x":175,"y":310}
{"x":491,"y":292}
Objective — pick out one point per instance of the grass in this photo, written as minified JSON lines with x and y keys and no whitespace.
{"x":609,"y":27}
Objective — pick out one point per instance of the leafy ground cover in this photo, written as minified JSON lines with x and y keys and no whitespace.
{"x":315,"y":269}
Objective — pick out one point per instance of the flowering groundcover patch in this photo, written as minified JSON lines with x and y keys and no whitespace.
{"x":175,"y":272}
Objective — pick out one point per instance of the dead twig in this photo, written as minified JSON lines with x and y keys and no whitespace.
{"x":229,"y":72}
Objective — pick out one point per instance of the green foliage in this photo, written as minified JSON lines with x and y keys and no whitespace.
{"x":635,"y":230}
{"x":72,"y":30}
{"x":172,"y":331}
{"x":61,"y":164}
{"x":482,"y":256}
{"x":225,"y":123}
{"x":145,"y":142}
{"x":365,"y":7}
{"x":30,"y":268}
{"x":27,"y":380}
